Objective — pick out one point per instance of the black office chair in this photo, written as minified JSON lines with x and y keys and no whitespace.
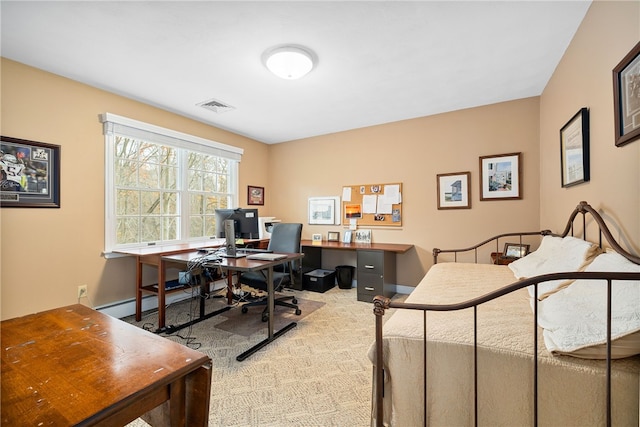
{"x":285,"y":238}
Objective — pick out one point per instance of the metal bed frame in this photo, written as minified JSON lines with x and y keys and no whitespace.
{"x":381,"y":304}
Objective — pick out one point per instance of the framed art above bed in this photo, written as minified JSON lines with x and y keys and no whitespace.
{"x":454,"y":191}
{"x":626,"y":97}
{"x":574,"y":149}
{"x":500,"y":177}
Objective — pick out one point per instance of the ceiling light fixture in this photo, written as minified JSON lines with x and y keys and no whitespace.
{"x":289,"y":62}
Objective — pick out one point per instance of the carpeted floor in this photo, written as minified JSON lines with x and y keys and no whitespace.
{"x":317,"y":374}
{"x":248,"y":323}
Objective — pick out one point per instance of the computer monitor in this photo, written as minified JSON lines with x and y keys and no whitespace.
{"x":245,"y":222}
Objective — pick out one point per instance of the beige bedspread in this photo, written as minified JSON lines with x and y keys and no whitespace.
{"x":571,"y":391}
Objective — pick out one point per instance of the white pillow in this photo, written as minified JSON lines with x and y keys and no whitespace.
{"x":574,"y":319}
{"x":555,"y":255}
{"x":529,"y":265}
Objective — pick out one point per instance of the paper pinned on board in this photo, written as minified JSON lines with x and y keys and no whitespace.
{"x":369,"y":203}
{"x":346,"y":194}
{"x":392,"y":194}
{"x":384,"y":207}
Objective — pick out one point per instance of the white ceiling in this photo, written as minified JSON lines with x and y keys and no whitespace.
{"x":378,"y":62}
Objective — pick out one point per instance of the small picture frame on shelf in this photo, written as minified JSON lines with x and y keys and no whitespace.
{"x":316,"y":239}
{"x":363,"y":236}
{"x":333,"y":236}
{"x":346,"y":238}
{"x":515,"y":250}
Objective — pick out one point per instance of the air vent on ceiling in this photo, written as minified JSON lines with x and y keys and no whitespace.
{"x":216,"y":106}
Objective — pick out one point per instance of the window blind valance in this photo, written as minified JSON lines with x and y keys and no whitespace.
{"x":123,"y":126}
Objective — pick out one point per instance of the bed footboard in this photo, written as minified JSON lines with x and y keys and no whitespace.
{"x":382,"y":304}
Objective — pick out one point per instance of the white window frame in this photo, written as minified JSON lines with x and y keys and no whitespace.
{"x":114,"y":125}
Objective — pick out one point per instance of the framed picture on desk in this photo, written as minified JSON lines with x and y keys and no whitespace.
{"x":363,"y":236}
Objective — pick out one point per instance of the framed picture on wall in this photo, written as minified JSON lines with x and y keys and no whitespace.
{"x":574,"y":149}
{"x":30,"y":174}
{"x":500,"y":177}
{"x":626,"y":97}
{"x":255,"y":195}
{"x":454,"y":191}
{"x":324,"y":210}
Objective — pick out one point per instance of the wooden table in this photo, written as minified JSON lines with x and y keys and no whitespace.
{"x":76,"y":366}
{"x":240,"y":265}
{"x":153,"y":256}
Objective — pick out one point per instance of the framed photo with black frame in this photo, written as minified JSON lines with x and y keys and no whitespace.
{"x":626,"y":97}
{"x":574,"y":149}
{"x":515,"y":250}
{"x":30,"y":174}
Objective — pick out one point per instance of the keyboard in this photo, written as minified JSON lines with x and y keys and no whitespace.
{"x":252,"y":250}
{"x":266,"y":256}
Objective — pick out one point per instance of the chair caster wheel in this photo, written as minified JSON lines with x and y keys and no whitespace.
{"x":295,"y":301}
{"x":244,"y":310}
{"x":298,"y":312}
{"x":265,"y":317}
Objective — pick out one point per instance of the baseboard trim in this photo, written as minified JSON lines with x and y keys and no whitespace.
{"x":404,"y":290}
{"x":127,"y":307}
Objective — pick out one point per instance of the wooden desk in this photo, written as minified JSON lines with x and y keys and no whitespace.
{"x":398,"y":248}
{"x":76,"y":366}
{"x":241,"y":265}
{"x":376,"y":264}
{"x":152,"y":256}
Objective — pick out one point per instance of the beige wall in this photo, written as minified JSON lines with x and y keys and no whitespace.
{"x":47,"y":253}
{"x":414,"y":152}
{"x":584,"y":79}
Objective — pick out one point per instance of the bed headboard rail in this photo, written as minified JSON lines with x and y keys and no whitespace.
{"x":585,"y":208}
{"x":495,"y":239}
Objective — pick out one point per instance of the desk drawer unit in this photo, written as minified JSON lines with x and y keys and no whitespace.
{"x":376,"y":274}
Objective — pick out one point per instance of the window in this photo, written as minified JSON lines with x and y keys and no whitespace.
{"x":163,"y":186}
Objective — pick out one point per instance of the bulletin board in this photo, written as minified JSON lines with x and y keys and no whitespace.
{"x":372,"y":204}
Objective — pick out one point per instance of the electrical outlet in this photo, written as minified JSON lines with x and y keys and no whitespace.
{"x":82,"y":291}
